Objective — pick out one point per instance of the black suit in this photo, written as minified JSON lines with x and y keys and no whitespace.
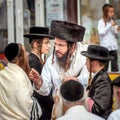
{"x":101,"y":93}
{"x":46,"y":102}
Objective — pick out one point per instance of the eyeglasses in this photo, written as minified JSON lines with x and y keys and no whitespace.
{"x":60,"y":45}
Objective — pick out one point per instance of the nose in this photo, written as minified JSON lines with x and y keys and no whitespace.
{"x":49,"y":45}
{"x":57,"y":47}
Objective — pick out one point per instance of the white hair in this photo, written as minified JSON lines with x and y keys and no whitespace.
{"x":59,"y":101}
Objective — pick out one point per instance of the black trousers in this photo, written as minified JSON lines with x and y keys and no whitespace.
{"x":114,"y":62}
{"x":46,"y":103}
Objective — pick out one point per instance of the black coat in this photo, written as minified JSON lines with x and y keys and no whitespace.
{"x":101,"y":93}
{"x":34,"y":62}
{"x":46,"y":102}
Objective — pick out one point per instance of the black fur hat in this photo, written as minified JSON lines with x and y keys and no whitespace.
{"x":67,"y":31}
{"x":11,"y":51}
{"x":38,"y":32}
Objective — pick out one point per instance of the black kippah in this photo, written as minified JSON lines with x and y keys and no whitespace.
{"x":11,"y":51}
{"x":72,"y":90}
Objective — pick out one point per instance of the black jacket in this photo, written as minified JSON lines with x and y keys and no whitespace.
{"x":46,"y":102}
{"x":101,"y":93}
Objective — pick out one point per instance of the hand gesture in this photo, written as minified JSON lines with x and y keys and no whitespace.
{"x":36,"y":78}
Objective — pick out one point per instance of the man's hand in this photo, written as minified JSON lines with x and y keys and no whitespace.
{"x":36,"y":78}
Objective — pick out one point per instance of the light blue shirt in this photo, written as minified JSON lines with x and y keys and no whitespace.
{"x":114,"y":115}
{"x":107,"y":35}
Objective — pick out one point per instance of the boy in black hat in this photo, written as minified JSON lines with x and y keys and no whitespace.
{"x":116,"y":93}
{"x":66,"y":60}
{"x":39,"y":40}
{"x":100,"y":91}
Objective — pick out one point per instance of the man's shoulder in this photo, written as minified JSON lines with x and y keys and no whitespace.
{"x":115,"y":115}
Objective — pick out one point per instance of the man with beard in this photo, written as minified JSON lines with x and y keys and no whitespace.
{"x":116,"y":93}
{"x":66,"y":61}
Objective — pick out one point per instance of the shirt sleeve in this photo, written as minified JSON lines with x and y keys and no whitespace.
{"x":102,"y":28}
{"x":46,"y":87}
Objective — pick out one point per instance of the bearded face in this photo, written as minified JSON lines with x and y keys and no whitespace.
{"x":63,"y":51}
{"x":62,"y":60}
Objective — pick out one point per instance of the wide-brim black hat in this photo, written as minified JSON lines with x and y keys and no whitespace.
{"x":67,"y":31}
{"x":116,"y":82}
{"x":38,"y":32}
{"x":97,"y":52}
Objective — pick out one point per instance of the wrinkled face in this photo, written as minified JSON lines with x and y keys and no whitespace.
{"x":60,"y":47}
{"x":111,"y":12}
{"x":45,"y":46}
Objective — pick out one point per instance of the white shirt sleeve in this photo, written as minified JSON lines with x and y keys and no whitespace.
{"x":46,"y":76}
{"x":102,"y":28}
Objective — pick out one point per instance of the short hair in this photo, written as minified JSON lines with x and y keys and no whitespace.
{"x":72,"y":90}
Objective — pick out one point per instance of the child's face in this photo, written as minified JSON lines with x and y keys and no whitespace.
{"x":111,"y":12}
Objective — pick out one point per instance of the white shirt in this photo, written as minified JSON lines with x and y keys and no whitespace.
{"x":107,"y":35}
{"x":52,"y":74}
{"x":79,"y":113}
{"x":114,"y":115}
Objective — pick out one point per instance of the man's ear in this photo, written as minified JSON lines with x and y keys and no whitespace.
{"x":35,"y":44}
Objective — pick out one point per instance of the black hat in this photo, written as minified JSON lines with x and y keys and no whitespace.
{"x":116,"y":82}
{"x":11,"y":51}
{"x":97,"y":52}
{"x":38,"y":32}
{"x":67,"y":31}
{"x":72,"y":90}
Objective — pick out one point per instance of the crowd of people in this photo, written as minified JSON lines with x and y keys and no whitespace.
{"x":72,"y":84}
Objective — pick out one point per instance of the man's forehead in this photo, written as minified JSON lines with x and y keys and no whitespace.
{"x":61,"y":41}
